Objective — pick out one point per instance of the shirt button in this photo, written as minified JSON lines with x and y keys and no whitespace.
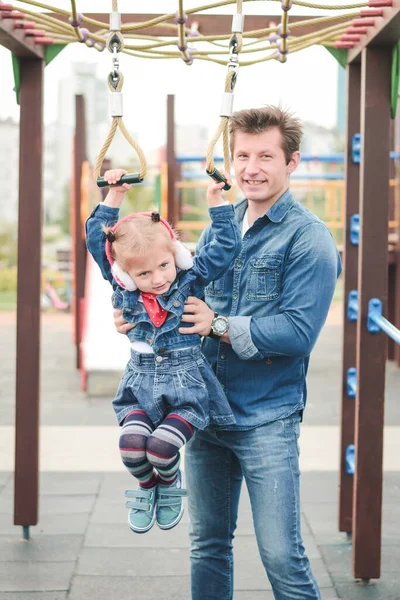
{"x":222,"y":385}
{"x":158,"y":359}
{"x":222,"y":356}
{"x":176,"y":303}
{"x":235,"y":296}
{"x":239,"y":265}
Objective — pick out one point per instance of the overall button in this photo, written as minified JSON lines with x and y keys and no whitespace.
{"x":176,"y":303}
{"x":158,"y":359}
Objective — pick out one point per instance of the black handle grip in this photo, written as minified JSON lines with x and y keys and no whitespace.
{"x":128,"y":178}
{"x":219,"y":178}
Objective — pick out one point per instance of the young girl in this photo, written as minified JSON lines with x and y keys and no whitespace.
{"x":168,"y":389}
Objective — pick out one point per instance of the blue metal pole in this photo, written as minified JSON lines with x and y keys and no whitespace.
{"x":376,"y":322}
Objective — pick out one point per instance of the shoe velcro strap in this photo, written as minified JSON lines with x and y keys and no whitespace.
{"x":139,"y":494}
{"x":169,"y":502}
{"x":173,"y":492}
{"x":139,"y":506}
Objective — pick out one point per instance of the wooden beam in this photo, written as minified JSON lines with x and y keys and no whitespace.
{"x":350,"y":264}
{"x":208,"y":24}
{"x":386,"y":32}
{"x":16,"y":41}
{"x":372,"y":283}
{"x":26,"y":485}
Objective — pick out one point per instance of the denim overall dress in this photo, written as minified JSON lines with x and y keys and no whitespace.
{"x":176,"y":378}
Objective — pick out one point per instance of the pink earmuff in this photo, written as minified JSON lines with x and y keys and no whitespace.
{"x":183,"y":257}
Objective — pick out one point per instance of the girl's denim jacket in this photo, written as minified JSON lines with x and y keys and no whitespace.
{"x":212,"y":262}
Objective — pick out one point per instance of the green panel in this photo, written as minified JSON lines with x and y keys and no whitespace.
{"x":340,"y":54}
{"x":395,"y":78}
{"x":17,"y":75}
{"x":50,"y":52}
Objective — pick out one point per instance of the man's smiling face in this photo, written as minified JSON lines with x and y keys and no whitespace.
{"x":260,"y":165}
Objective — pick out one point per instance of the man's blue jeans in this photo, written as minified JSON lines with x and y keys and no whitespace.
{"x":267,"y":457}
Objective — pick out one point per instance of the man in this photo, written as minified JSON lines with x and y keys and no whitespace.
{"x":260,"y":322}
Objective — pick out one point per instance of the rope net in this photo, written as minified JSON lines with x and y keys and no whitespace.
{"x":183,"y":41}
{"x":342,"y":28}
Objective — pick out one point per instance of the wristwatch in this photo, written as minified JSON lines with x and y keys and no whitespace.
{"x":219,"y":326}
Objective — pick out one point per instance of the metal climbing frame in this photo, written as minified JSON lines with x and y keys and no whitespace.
{"x":366,"y":278}
{"x":368,"y":113}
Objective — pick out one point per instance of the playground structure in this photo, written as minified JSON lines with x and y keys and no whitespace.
{"x":371,"y":55}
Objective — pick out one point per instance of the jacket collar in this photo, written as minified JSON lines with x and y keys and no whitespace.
{"x":276,"y":213}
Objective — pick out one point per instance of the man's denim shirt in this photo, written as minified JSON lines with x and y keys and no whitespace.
{"x":277,"y":295}
{"x":210,"y":263}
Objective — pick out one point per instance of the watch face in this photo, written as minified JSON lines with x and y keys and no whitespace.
{"x":220,"y":326}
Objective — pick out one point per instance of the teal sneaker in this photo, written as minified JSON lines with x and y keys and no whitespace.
{"x":169,"y":503}
{"x":142,"y":515}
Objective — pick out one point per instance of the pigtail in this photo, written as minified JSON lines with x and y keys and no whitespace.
{"x":109,"y":233}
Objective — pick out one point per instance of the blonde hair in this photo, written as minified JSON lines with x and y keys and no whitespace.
{"x":136,"y":237}
{"x":258,"y":120}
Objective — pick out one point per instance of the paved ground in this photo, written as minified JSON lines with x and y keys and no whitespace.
{"x":82,"y":547}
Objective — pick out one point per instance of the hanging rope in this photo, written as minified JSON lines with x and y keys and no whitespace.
{"x":180,"y":19}
{"x":284,"y":31}
{"x":235,"y":45}
{"x":115,"y":44}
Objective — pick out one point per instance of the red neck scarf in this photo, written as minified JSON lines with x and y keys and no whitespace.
{"x":156,"y":313}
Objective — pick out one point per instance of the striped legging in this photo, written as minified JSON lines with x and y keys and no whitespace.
{"x":152,"y":455}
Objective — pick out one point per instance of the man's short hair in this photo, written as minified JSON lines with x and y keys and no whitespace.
{"x":258,"y":120}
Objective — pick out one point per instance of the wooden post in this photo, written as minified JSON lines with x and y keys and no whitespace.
{"x":372,"y":283}
{"x":396,"y":266}
{"x":391,"y":309}
{"x":26,"y":483}
{"x":79,"y":247}
{"x":171,"y":161}
{"x":350,"y":268}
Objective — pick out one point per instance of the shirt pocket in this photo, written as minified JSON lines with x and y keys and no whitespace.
{"x":216,"y":288}
{"x":264,"y":282}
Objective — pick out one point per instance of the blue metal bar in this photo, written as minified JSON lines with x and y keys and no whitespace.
{"x":351,"y":382}
{"x":298,"y":176}
{"x":352,"y":306}
{"x":376,"y":322}
{"x":350,"y":459}
{"x":326,"y":158}
{"x":325,"y":176}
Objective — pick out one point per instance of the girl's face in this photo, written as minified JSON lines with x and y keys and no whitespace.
{"x":155,"y":272}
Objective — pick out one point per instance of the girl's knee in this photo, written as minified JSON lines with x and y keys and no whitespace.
{"x":132,"y":441}
{"x":159,"y":452}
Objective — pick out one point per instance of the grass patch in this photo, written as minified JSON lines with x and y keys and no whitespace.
{"x":8,"y":301}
